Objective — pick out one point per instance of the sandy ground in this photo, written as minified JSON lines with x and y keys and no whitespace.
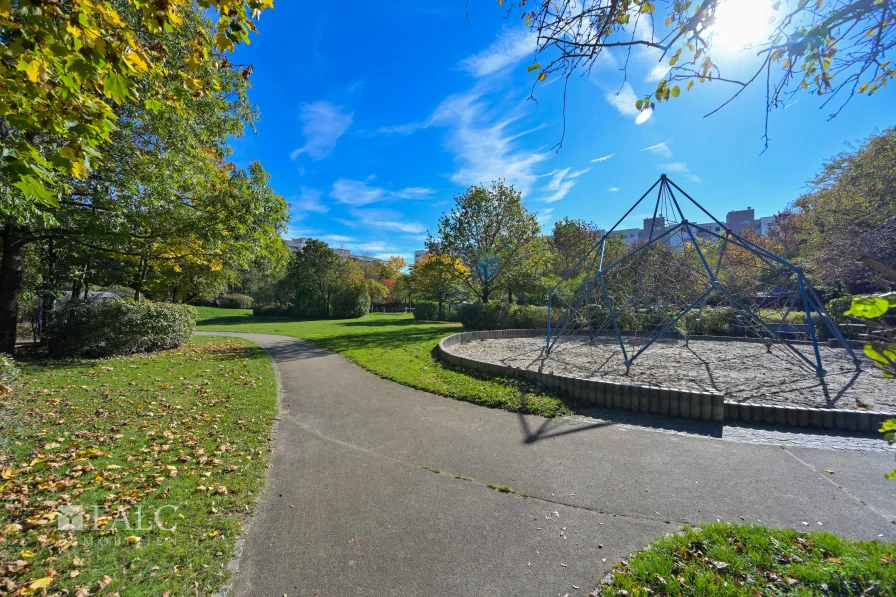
{"x":742,"y":371}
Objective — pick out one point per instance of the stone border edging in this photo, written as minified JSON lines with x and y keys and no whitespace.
{"x":704,"y":406}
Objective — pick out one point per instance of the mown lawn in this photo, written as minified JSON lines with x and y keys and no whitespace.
{"x":396,"y":347}
{"x":751,"y":560}
{"x":180,"y":435}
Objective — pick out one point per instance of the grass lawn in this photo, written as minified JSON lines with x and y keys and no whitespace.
{"x":748,"y":560}
{"x":396,"y":347}
{"x":184,"y":430}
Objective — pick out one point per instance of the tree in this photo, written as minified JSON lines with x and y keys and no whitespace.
{"x":823,"y":48}
{"x":487,"y":230}
{"x":571,"y":240}
{"x":437,"y":278}
{"x":62,"y":61}
{"x":849,"y":214}
{"x":314,"y":276}
{"x":163,"y":195}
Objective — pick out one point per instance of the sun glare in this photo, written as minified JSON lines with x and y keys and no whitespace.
{"x":741,"y":24}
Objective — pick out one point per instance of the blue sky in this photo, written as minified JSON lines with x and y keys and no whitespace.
{"x":374,"y":116}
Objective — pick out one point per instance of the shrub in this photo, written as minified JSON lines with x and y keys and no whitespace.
{"x":713,"y":321}
{"x":270,"y":310}
{"x":426,"y":310}
{"x":107,"y":328}
{"x":499,"y":316}
{"x":837,"y":308}
{"x":235,"y":301}
{"x":351,"y":302}
{"x":9,"y":373}
{"x":125,"y":292}
{"x":452,"y":316}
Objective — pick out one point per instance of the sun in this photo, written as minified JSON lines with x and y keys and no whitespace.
{"x":740,"y":24}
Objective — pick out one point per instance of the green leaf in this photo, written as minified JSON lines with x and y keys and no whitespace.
{"x":31,"y":186}
{"x":675,"y":91}
{"x":869,"y":307}
{"x":116,"y":87}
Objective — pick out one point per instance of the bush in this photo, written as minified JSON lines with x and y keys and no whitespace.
{"x":235,"y":301}
{"x":426,"y":310}
{"x":499,"y":316}
{"x":713,"y":321}
{"x":837,"y":308}
{"x":270,"y":310}
{"x":452,"y":316}
{"x":9,"y":373}
{"x":125,"y":292}
{"x":108,"y":328}
{"x":351,"y":302}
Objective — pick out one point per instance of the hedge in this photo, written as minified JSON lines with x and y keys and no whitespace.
{"x":85,"y":328}
{"x":426,"y":310}
{"x":500,"y":316}
{"x":351,"y":302}
{"x":235,"y":301}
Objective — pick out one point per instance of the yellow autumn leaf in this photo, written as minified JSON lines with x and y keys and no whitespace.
{"x":535,"y":66}
{"x":133,"y":540}
{"x":8,"y":473}
{"x":12,"y":529}
{"x":27,"y":553}
{"x":5,"y":8}
{"x":79,"y":171}
{"x":35,"y":585}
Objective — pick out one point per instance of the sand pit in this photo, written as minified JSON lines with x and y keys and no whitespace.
{"x":742,"y":371}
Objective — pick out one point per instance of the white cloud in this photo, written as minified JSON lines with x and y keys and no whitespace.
{"x":338,"y":238}
{"x":624,"y":101}
{"x":375,"y":247}
{"x":401,"y":129}
{"x":322,"y":124}
{"x":361,"y":192}
{"x":658,"y":72}
{"x":680,"y":168}
{"x":381,"y":220}
{"x":602,"y":159}
{"x":613,"y":189}
{"x":661,"y":149}
{"x":545,"y":215}
{"x":356,"y":192}
{"x":562,"y":181}
{"x":310,"y":200}
{"x":511,"y":46}
{"x":485,"y":148}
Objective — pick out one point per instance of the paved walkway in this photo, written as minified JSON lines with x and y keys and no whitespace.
{"x":351,"y":510}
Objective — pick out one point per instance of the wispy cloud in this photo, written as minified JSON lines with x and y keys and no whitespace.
{"x":602,"y":159}
{"x":487,"y":147}
{"x":361,"y":192}
{"x":310,"y":201}
{"x":661,"y":149}
{"x":545,"y":215}
{"x":562,"y":181}
{"x":613,"y":189}
{"x":381,"y":220}
{"x":338,"y":238}
{"x":624,"y":101}
{"x":401,"y":129}
{"x":680,"y":168}
{"x":322,"y":125}
{"x":657,"y":73}
{"x":511,"y":46}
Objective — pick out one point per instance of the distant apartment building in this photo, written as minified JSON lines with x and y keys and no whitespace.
{"x":421,"y":254}
{"x":738,"y":221}
{"x":297,"y":244}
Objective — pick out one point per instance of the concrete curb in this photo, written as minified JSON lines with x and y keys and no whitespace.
{"x":704,"y":406}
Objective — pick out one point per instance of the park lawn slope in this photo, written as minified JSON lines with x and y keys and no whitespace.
{"x":183,"y":433}
{"x":395,"y":347}
{"x":751,"y":560}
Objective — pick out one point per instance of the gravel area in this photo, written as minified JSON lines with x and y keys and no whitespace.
{"x":742,"y":371}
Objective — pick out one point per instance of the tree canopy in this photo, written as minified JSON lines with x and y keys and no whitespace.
{"x":823,"y":47}
{"x":64,"y":65}
{"x":488,"y":231}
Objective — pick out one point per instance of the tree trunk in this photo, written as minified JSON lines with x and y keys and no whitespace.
{"x":12,"y":267}
{"x":87,"y":277}
{"x":485,"y":292}
{"x":509,"y":295}
{"x":441,"y":311}
{"x":141,"y":274}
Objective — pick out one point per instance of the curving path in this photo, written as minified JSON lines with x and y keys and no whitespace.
{"x":350,"y":510}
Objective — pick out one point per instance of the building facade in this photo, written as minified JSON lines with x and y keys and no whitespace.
{"x":738,"y":221}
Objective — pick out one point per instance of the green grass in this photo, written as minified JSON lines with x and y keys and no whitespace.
{"x":187,"y":428}
{"x":396,"y":347}
{"x":748,"y":560}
